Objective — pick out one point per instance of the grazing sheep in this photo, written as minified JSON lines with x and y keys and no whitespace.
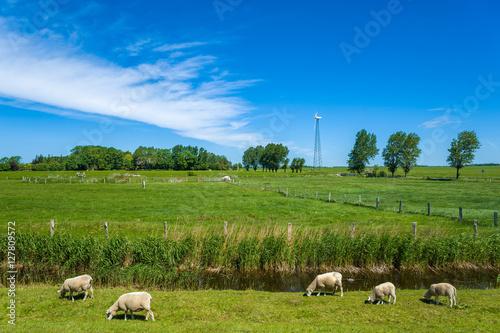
{"x":442,"y":289}
{"x":382,"y":290}
{"x":77,"y":284}
{"x":136,"y":301}
{"x":322,"y":281}
{"x":226,"y":178}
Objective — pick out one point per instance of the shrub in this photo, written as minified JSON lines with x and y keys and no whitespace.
{"x":382,"y":173}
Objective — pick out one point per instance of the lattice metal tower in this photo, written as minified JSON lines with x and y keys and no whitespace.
{"x":317,"y":144}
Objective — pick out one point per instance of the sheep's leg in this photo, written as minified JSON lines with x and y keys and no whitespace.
{"x":394,"y":295}
{"x":91,"y":292}
{"x":451,"y":301}
{"x":152,"y":316}
{"x":85,"y":297}
{"x":334,"y":290}
{"x":436,"y":300}
{"x":319,"y":292}
{"x":131,"y":314}
{"x":341,"y":291}
{"x":71,"y":295}
{"x":126,"y":314}
{"x":378,"y":301}
{"x":389,"y":299}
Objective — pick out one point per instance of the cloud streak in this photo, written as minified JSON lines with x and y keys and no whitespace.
{"x":183,"y":95}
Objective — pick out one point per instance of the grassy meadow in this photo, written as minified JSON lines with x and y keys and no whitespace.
{"x":189,"y":203}
{"x":39,"y":309}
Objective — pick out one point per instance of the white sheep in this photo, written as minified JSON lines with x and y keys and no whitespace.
{"x":136,"y":301}
{"x":226,"y":178}
{"x":77,"y":284}
{"x":442,"y":289}
{"x":322,"y":281}
{"x":382,"y":290}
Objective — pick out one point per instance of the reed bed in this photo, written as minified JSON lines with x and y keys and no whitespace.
{"x":178,"y":262}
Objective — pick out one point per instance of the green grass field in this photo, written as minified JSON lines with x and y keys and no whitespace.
{"x":38,"y":309}
{"x":190,"y":204}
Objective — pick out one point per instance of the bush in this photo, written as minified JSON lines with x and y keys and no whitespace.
{"x":382,"y":174}
{"x":191,"y":174}
{"x":4,"y":166}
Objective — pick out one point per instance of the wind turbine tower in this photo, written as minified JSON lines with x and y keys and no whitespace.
{"x":317,"y":144}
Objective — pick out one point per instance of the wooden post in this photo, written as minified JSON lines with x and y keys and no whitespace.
{"x":414,"y":227}
{"x":304,"y":194}
{"x":316,"y":195}
{"x":378,"y":201}
{"x":329,"y":196}
{"x":106,"y":230}
{"x":289,"y":232}
{"x":293,"y":192}
{"x":225,"y":228}
{"x":345,"y":197}
{"x":265,"y":187}
{"x":165,"y":229}
{"x":286,"y":192}
{"x":352,"y":229}
{"x":495,"y":219}
{"x":475,"y":227}
{"x":460,"y":216}
{"x":143,"y":184}
{"x":271,"y":187}
{"x":259,"y":186}
{"x":51,"y":228}
{"x":279,"y":189}
{"x":428,"y":209}
{"x":130,"y":180}
{"x":359,"y":202}
{"x":400,"y":203}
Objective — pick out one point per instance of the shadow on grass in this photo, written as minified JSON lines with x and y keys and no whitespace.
{"x":327,"y":294}
{"x":122,"y":317}
{"x":79,"y":296}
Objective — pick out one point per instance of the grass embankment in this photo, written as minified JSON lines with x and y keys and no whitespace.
{"x":39,"y":309}
{"x":171,"y":264}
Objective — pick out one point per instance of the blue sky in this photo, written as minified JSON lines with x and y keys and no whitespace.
{"x":229,"y":74}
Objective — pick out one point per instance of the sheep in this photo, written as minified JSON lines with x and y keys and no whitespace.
{"x":77,"y":284}
{"x":382,"y":290}
{"x":331,"y":280}
{"x":442,"y":289}
{"x":226,"y":178}
{"x":136,"y":301}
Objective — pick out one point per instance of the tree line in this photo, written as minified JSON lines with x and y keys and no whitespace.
{"x":402,"y":151}
{"x":272,"y":157}
{"x":143,"y":158}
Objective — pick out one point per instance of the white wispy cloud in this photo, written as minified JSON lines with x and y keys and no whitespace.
{"x":180,"y":46}
{"x":135,"y":48}
{"x":439,"y":122}
{"x":49,"y":74}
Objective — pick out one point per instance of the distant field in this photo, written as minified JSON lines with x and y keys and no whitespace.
{"x":40,"y":310}
{"x":192,"y":204}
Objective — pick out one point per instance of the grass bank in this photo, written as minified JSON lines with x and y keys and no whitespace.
{"x":40,"y":310}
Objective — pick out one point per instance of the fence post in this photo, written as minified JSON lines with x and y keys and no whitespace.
{"x":265,"y":187}
{"x":352,"y":229}
{"x":414,"y":227}
{"x":359,"y":202}
{"x":400,"y":203}
{"x":475,"y":227}
{"x":51,"y":228}
{"x":460,"y":216}
{"x":165,"y":229}
{"x":495,"y":219}
{"x":289,"y":232}
{"x":271,"y":187}
{"x":345,"y":197}
{"x":143,"y":184}
{"x":106,"y":230}
{"x":286,"y":191}
{"x":316,"y":195}
{"x":304,"y":194}
{"x":293,"y":192}
{"x":428,"y":209}
{"x":225,"y":228}
{"x":329,"y":196}
{"x":378,"y":201}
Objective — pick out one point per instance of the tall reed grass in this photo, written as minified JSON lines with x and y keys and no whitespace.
{"x":176,"y":263}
